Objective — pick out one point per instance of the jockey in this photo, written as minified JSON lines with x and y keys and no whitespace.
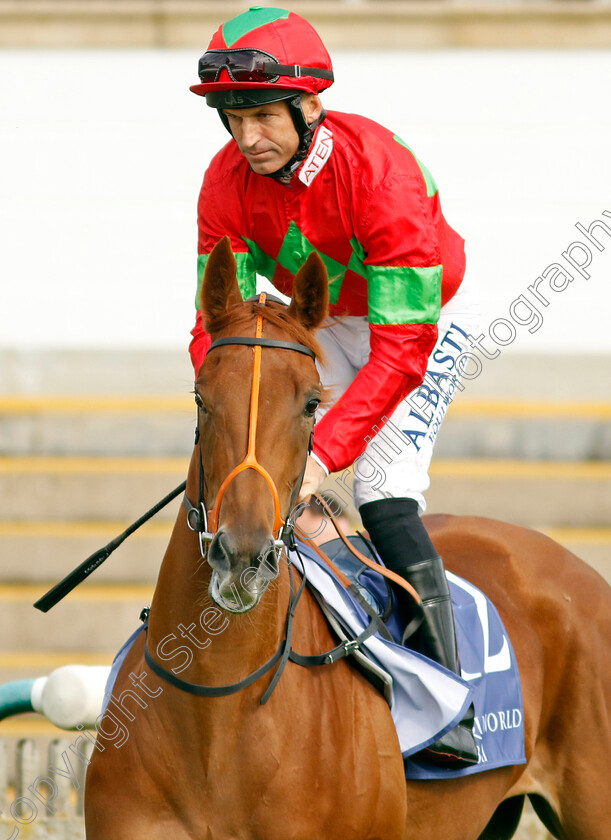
{"x":295,"y":179}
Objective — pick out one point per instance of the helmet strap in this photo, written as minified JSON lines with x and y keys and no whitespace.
{"x":305,"y":131}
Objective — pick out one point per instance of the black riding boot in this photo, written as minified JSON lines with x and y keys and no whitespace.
{"x":402,"y":542}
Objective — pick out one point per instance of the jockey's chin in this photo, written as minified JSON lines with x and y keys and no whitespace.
{"x":264,"y":163}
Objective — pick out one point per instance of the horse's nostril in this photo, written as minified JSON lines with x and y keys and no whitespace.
{"x":218,"y":553}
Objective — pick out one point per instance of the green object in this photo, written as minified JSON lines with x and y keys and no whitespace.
{"x":15,"y":698}
{"x":404,"y":295}
{"x":431,"y":186}
{"x":293,"y":253}
{"x":296,"y":249}
{"x":255,"y":17}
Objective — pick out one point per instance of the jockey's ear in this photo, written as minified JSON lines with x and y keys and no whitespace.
{"x":220,"y":288}
{"x":310,"y":302}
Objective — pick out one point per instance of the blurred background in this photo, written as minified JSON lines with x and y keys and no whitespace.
{"x":102,"y":153}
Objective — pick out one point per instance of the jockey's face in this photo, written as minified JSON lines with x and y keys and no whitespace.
{"x":266,"y":134}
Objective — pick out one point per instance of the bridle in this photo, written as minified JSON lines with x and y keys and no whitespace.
{"x":205,"y":522}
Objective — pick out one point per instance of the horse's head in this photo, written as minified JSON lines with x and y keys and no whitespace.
{"x":256,"y":414}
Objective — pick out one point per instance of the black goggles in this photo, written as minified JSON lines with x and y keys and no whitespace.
{"x":252,"y":66}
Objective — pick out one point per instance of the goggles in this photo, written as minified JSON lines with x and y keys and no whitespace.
{"x":252,"y":66}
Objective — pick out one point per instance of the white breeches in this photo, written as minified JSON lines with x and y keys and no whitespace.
{"x":395,"y":463}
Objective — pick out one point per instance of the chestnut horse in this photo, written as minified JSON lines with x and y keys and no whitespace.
{"x":321,"y":759}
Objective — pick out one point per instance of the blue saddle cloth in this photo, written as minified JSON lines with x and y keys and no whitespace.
{"x":489,"y":668}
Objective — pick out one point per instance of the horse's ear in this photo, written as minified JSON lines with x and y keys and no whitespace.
{"x":310,"y":302}
{"x":220,"y":288}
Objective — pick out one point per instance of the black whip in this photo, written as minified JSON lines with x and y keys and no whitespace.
{"x":78,"y":575}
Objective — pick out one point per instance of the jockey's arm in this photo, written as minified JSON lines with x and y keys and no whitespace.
{"x":396,"y":225}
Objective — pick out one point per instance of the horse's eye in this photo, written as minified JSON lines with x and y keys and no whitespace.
{"x":311,"y":406}
{"x":200,"y":403}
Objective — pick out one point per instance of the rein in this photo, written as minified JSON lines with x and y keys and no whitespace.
{"x":381,"y":570}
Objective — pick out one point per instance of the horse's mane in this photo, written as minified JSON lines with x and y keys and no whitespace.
{"x":241,"y":316}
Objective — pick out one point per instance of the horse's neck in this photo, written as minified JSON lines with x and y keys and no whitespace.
{"x":221,"y":647}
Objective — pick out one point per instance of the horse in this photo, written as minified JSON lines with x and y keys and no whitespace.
{"x":321,"y":758}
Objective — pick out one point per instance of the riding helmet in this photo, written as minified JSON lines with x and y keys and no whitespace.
{"x":286,"y":39}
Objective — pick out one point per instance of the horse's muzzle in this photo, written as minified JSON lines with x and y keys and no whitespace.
{"x":240,"y":575}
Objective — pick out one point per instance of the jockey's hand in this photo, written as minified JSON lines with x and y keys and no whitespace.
{"x":313,"y":477}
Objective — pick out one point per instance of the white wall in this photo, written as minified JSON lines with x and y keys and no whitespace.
{"x":102,"y":154}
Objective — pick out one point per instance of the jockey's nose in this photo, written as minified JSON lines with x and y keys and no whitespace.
{"x":250,"y":130}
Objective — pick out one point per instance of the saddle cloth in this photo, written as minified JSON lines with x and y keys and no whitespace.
{"x":425,"y":699}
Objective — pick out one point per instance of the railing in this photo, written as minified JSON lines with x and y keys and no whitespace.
{"x":42,"y":790}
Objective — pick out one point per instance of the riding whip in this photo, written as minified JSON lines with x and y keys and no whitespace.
{"x":78,"y":575}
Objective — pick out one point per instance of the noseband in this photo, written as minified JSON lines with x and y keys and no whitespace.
{"x":204,"y":522}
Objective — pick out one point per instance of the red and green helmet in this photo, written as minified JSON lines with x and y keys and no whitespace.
{"x":261,"y":56}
